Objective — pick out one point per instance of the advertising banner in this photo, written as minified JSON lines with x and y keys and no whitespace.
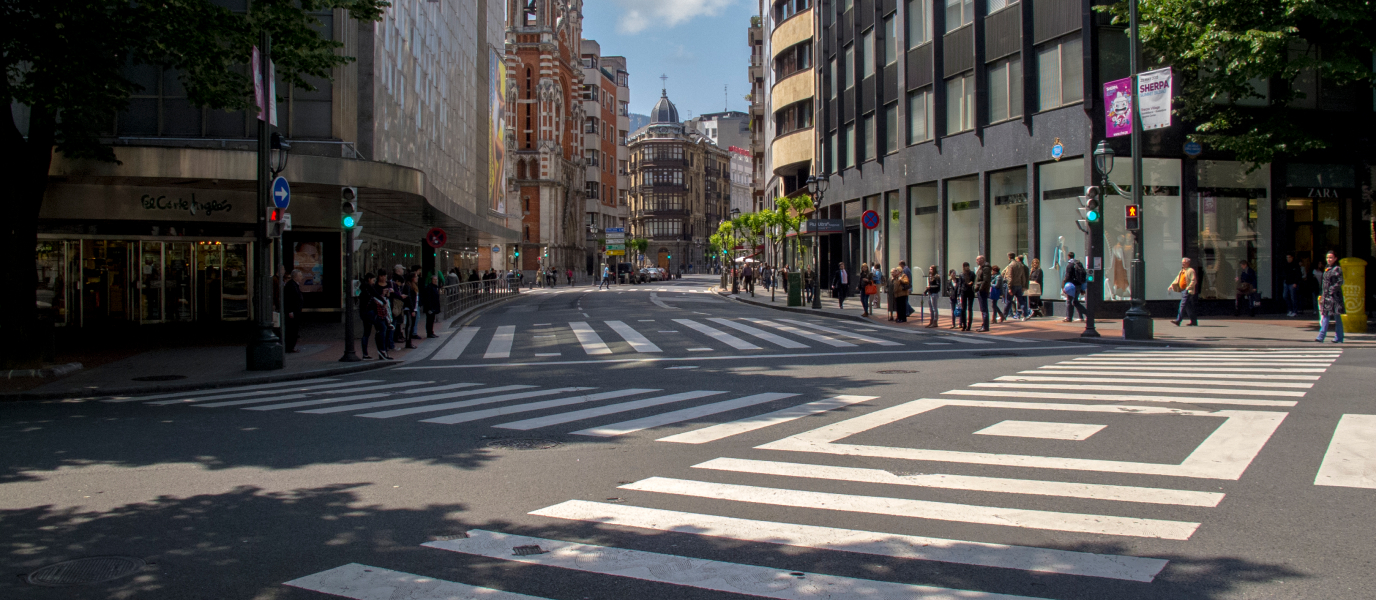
{"x":1154,"y":99}
{"x":496,"y":90}
{"x":306,"y":259}
{"x":1118,"y":107}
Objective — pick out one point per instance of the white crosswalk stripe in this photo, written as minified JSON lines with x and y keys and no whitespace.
{"x":225,"y":390}
{"x":418,"y":399}
{"x":276,"y":389}
{"x":719,"y":335}
{"x":388,"y":414}
{"x":1269,"y":384}
{"x":842,"y":333}
{"x":362,"y":582}
{"x":500,"y":346}
{"x":378,"y":391}
{"x":633,"y":337}
{"x":591,"y":342}
{"x":1350,"y":460}
{"x":580,"y":415}
{"x":962,"y":339}
{"x":477,"y":415}
{"x":456,"y":345}
{"x":695,"y":412}
{"x":830,"y":341}
{"x":748,"y":424}
{"x":777,"y":340}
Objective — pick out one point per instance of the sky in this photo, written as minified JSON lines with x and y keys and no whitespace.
{"x":701,"y":45}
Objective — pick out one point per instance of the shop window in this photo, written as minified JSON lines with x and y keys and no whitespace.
{"x":1234,"y":225}
{"x":1007,"y":214}
{"x":920,"y":116}
{"x":960,"y":103}
{"x":1060,"y":73}
{"x":1161,"y":218}
{"x":1005,"y":89}
{"x":1059,"y":184}
{"x":962,"y":221}
{"x":924,"y":239}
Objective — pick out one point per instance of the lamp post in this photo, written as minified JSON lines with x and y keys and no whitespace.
{"x":278,"y":149}
{"x":817,"y":186}
{"x":1137,"y":323}
{"x":264,"y":350}
{"x":735,"y":280}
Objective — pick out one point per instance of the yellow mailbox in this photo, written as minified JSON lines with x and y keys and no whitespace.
{"x":1354,"y":294}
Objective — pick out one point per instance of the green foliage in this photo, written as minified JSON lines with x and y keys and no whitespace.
{"x":1219,"y":51}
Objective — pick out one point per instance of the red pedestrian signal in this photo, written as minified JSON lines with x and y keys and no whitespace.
{"x":1133,"y":215}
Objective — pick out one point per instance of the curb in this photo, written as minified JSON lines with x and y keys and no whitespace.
{"x":43,"y":373}
{"x":795,"y":309}
{"x":210,"y":385}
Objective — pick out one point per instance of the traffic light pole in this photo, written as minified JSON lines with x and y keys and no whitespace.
{"x":349,"y":302}
{"x":1137,"y":323}
{"x":1093,"y":287}
{"x":264,"y":350}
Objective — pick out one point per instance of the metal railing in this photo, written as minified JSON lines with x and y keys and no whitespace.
{"x":463,"y":296}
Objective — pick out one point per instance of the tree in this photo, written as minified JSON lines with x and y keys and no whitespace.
{"x":1240,"y":66}
{"x":795,"y":209}
{"x":65,"y":62}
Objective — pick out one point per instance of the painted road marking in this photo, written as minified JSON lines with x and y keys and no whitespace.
{"x":911,"y":547}
{"x":242,"y":388}
{"x":962,"y":339}
{"x":633,"y":337}
{"x":1351,"y":457}
{"x":777,"y":340}
{"x":500,"y":346}
{"x":387,"y":414}
{"x":535,"y":406}
{"x":1119,"y":397}
{"x":634,"y":425}
{"x":1045,"y":430}
{"x":1188,"y":377}
{"x":579,"y":415}
{"x":301,"y":389}
{"x":719,"y":335}
{"x":803,"y":333}
{"x":362,"y":582}
{"x":1137,"y":388}
{"x":725,"y":430}
{"x":855,"y":336}
{"x":921,"y":509}
{"x":415,"y":399}
{"x":456,"y":346}
{"x":591,"y":342}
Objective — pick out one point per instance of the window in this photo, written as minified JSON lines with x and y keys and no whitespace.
{"x":1060,"y":73}
{"x":793,"y":117}
{"x":891,"y":128}
{"x":959,"y":13}
{"x":920,"y":116}
{"x":1005,"y":89}
{"x":871,"y":140}
{"x":890,"y":40}
{"x":850,"y":147}
{"x":832,"y":78}
{"x":867,"y":54}
{"x":993,"y":6}
{"x":848,"y":66}
{"x":919,"y":22}
{"x":960,"y":104}
{"x":832,"y":164}
{"x":792,"y":60}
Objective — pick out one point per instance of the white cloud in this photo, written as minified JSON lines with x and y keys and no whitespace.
{"x":639,"y":15}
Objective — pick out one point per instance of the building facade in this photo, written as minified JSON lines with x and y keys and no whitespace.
{"x":970,"y":127}
{"x":606,"y":125}
{"x":545,"y":169}
{"x":168,"y":234}
{"x":759,"y":100}
{"x":680,"y":190}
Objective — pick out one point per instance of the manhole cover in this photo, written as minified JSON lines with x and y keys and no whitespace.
{"x":894,"y":372}
{"x":997,"y":354}
{"x":523,"y":444}
{"x":159,"y":378}
{"x":85,"y":571}
{"x":527,"y":550}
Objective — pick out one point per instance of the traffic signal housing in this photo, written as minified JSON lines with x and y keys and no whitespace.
{"x":1089,"y":205}
{"x":349,"y":214}
{"x":1133,"y":215}
{"x":277,"y":223}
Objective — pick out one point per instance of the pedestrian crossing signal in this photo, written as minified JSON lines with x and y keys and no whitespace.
{"x":1134,"y":219}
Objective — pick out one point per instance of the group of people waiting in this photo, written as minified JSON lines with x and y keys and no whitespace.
{"x":389,"y":304}
{"x":1017,"y":285}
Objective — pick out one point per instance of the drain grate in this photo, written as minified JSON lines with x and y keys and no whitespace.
{"x":85,"y":571}
{"x":159,"y":378}
{"x":528,"y":550}
{"x":997,"y":354}
{"x":524,"y":444}
{"x":894,"y":372}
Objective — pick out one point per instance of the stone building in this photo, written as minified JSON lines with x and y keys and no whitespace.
{"x":680,"y":189}
{"x":545,"y":163}
{"x":606,"y":124}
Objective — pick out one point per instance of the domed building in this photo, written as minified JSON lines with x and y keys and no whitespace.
{"x":680,"y":190}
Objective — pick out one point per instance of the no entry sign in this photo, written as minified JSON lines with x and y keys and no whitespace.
{"x":436,"y":237}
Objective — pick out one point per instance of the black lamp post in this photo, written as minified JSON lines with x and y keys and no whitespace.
{"x":817,"y":187}
{"x":735,"y":280}
{"x":1137,"y":323}
{"x":264,"y":349}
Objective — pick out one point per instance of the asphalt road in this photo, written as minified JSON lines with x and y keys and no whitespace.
{"x":660,"y":441}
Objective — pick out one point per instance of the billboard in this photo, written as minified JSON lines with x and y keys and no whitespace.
{"x":496,"y":157}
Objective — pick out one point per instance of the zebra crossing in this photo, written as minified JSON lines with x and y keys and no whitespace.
{"x":1146,"y":386}
{"x":671,"y":336}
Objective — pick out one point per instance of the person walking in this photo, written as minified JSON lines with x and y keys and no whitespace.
{"x":996,"y":292}
{"x":1187,"y":287}
{"x":840,"y":284}
{"x":984,"y":279}
{"x":1246,"y":289}
{"x":1291,"y":278}
{"x":367,"y":310}
{"x":967,"y":296}
{"x":1034,"y":288}
{"x":867,"y":288}
{"x":1016,"y":273}
{"x":292,"y":303}
{"x":1075,"y":279}
{"x":953,"y":287}
{"x":902,"y":286}
{"x":432,"y":302}
{"x":383,"y":306}
{"x":1331,"y":301}
{"x":807,"y":285}
{"x":411,"y":306}
{"x":606,"y":281}
{"x":748,"y":276}
{"x":931,"y":294}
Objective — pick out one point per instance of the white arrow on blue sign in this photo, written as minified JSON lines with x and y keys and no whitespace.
{"x":281,"y":192}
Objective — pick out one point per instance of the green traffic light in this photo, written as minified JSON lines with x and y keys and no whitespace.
{"x":1093,"y":216}
{"x":348,"y":221}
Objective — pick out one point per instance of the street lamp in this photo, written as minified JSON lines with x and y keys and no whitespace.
{"x":1103,"y":160}
{"x":735,"y":281}
{"x":817,"y":187}
{"x":279,"y":148}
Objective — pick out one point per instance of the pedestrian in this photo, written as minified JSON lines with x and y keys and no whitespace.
{"x":1291,"y":278}
{"x":953,"y":287}
{"x":807,"y":285}
{"x":901,"y":286}
{"x":606,"y":281}
{"x":383,"y":315}
{"x":367,"y":311}
{"x":1016,"y":274}
{"x":1075,"y":277}
{"x":1246,"y":289}
{"x":867,"y":289}
{"x":984,"y":279}
{"x":907,"y":307}
{"x":1187,"y":287}
{"x":1331,"y":301}
{"x":748,"y":276}
{"x":292,"y":303}
{"x":840,"y":284}
{"x":1034,"y":288}
{"x":881,"y":281}
{"x":432,"y":302}
{"x":932,"y":292}
{"x":890,"y":297}
{"x":569,"y":274}
{"x":410,"y":308}
{"x":967,"y":296}
{"x":401,"y":297}
{"x":996,"y":288}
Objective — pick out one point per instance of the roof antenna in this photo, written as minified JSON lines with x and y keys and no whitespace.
{"x":725,"y":98}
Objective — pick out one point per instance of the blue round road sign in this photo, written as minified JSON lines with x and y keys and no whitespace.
{"x":869,"y":219}
{"x":281,"y":192}
{"x":1057,"y":151}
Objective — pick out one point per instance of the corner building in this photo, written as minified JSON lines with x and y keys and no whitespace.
{"x":606,"y":98}
{"x":680,"y":190}
{"x":943,"y":117}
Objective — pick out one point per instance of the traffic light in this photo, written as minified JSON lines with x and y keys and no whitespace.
{"x":276,"y":222}
{"x":1089,"y":205}
{"x":349,"y":214}
{"x":1134,"y":219}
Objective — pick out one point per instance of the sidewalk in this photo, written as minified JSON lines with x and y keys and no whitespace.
{"x":1262,"y":331}
{"x":153,"y":369}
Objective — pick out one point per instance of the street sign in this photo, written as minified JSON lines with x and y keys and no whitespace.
{"x":1193,"y":149}
{"x":496,"y":249}
{"x":616,"y":253}
{"x":825,"y":226}
{"x":615,"y":230}
{"x":869,"y":219}
{"x":1057,"y":150}
{"x":616,"y":246}
{"x":286,"y":221}
{"x":436,"y":237}
{"x":281,"y":192}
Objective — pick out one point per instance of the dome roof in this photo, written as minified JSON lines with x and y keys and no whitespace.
{"x":664,"y":111}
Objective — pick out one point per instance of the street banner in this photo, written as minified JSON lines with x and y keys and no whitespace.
{"x":1118,"y":107}
{"x":255,"y":63}
{"x":272,"y":93}
{"x":1154,"y":99}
